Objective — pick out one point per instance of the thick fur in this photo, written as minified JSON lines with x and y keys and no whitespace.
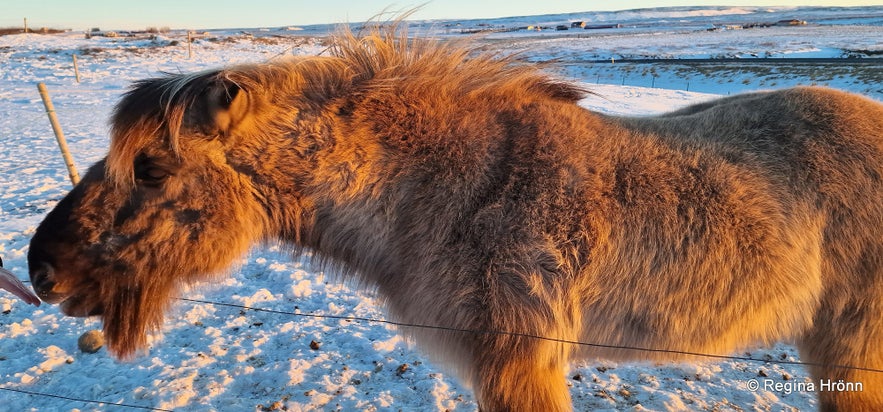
{"x":474,"y":193}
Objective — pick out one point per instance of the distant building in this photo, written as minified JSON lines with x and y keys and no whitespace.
{"x":578,"y":25}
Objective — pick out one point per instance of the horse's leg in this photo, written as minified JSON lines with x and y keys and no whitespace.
{"x":848,"y":331}
{"x":516,"y":363}
{"x":520,"y":374}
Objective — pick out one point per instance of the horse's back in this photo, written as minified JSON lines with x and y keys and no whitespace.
{"x":828,"y":140}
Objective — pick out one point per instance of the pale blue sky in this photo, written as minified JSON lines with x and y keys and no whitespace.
{"x":206,"y":14}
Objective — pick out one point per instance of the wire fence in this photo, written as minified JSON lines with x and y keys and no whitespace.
{"x":83,"y":400}
{"x":455,"y":330}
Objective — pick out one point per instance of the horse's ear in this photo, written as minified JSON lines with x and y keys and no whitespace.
{"x":226,"y":107}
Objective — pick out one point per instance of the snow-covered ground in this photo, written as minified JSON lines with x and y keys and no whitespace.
{"x":215,"y":356}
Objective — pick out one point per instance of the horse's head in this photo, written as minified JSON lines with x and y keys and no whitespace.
{"x":166,"y":207}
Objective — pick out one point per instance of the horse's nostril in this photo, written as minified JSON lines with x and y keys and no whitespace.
{"x":44,"y":291}
{"x":42,"y":280}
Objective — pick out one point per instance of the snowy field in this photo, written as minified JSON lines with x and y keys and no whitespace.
{"x":305,"y":350}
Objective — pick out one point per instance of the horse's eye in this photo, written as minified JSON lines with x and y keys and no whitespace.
{"x":155,"y":173}
{"x":149,"y":175}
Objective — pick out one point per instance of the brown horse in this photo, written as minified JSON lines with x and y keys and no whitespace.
{"x":475,"y":194}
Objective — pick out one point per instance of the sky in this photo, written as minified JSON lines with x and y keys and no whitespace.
{"x":217,"y":14}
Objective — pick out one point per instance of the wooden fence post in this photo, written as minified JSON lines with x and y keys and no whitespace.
{"x":76,"y":68}
{"x":189,"y":44}
{"x":59,"y":135}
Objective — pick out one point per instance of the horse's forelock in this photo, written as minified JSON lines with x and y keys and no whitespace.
{"x":152,"y":109}
{"x":127,"y":142}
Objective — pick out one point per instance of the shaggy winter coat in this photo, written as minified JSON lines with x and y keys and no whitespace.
{"x":475,"y":195}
